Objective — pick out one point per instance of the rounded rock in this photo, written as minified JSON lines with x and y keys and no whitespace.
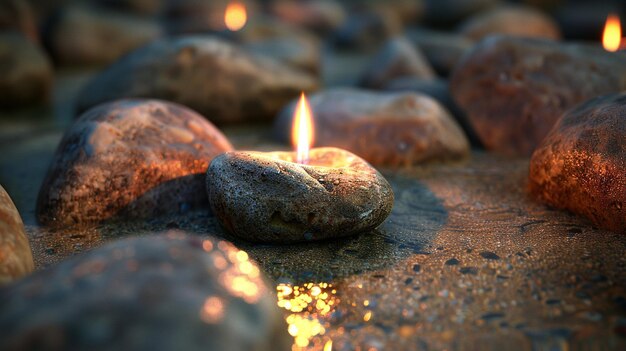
{"x":266,"y":197}
{"x":211,"y":76}
{"x":81,"y":35}
{"x":159,"y":292}
{"x":581,"y":164}
{"x":398,"y":58}
{"x":521,"y":21}
{"x":129,"y":159}
{"x":514,"y":89}
{"x":16,"y":258}
{"x":386,"y":129}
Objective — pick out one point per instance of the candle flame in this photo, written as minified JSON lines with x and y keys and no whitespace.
{"x":236,"y":16}
{"x":612,"y":34}
{"x":302,"y":131}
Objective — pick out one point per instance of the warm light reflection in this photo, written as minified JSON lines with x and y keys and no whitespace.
{"x":309,"y":304}
{"x":236,"y":16}
{"x":213,"y":310}
{"x":612,"y":35}
{"x":302,"y":131}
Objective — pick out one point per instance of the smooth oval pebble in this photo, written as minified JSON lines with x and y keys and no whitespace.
{"x":266,"y":197}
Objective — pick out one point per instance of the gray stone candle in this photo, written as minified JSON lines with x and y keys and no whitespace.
{"x":297,"y":196}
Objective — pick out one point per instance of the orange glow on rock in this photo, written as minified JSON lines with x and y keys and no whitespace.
{"x":302,"y":131}
{"x":612,"y":35}
{"x":236,"y":16}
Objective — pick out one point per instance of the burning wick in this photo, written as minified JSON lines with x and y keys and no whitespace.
{"x":236,"y":16}
{"x":302,"y":131}
{"x":612,"y":34}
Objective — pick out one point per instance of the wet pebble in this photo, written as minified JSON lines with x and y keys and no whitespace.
{"x":16,"y":258}
{"x":129,"y":159}
{"x":181,"y":291}
{"x":489,"y":255}
{"x":469,"y":270}
{"x":452,"y":262}
{"x":581,"y":165}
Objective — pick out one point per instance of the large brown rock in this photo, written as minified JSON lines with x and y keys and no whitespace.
{"x":581,"y":165}
{"x":521,"y":21}
{"x":129,"y":159}
{"x":25,"y":72}
{"x":267,"y":197}
{"x":514,"y":89}
{"x":157,"y":292}
{"x":16,"y":259}
{"x":218,"y":79}
{"x":82,"y":35}
{"x":386,"y":129}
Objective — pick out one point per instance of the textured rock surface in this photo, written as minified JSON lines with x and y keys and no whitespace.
{"x":16,"y":260}
{"x":216,"y":78}
{"x":386,"y":129}
{"x":267,"y":197}
{"x":25,"y":72}
{"x":129,"y":159}
{"x":443,"y":50}
{"x":514,"y":89}
{"x":581,"y":164}
{"x":88,"y":36}
{"x":398,"y":58}
{"x":518,"y":21}
{"x":163,"y":292}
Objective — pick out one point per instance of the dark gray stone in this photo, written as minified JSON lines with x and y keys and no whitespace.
{"x":218,"y":79}
{"x":398,"y":58}
{"x":163,"y":292}
{"x":267,"y":197}
{"x":442,"y":49}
